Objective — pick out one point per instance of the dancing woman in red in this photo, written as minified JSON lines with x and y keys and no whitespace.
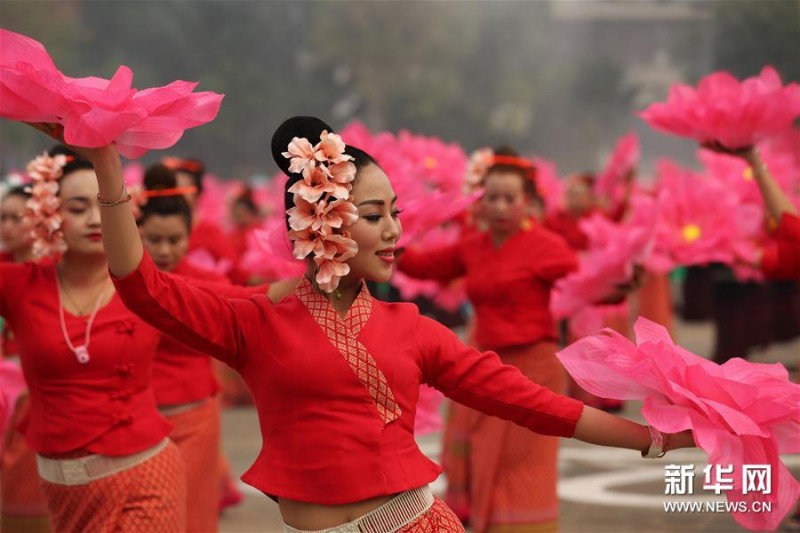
{"x":23,"y":507}
{"x":330,"y":360}
{"x":102,"y":450}
{"x":183,"y":380}
{"x":509,"y":271}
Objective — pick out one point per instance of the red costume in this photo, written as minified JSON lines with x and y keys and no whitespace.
{"x":314,"y":375}
{"x":509,"y":286}
{"x":781,"y":259}
{"x":98,"y":410}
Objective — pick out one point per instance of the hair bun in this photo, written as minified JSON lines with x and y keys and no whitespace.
{"x":159,"y":176}
{"x":309,"y":127}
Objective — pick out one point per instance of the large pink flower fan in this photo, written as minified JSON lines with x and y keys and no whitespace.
{"x":425,"y":173}
{"x":548,"y":184}
{"x":614,"y":251}
{"x":218,"y":194}
{"x":722,"y":109}
{"x":741,"y":413}
{"x":611,"y":182}
{"x":269,"y":252}
{"x":702,"y":221}
{"x":95,"y":111}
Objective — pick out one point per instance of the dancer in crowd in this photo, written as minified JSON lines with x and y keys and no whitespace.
{"x":510,"y":474}
{"x":206,"y":234}
{"x":183,"y":380}
{"x":23,"y":507}
{"x":103,"y":455}
{"x":15,"y":235}
{"x":331,"y":360}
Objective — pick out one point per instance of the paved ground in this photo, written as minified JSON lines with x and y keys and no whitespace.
{"x":602,"y":490}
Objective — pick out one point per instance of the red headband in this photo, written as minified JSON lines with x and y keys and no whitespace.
{"x":520,"y":162}
{"x":175,"y":191}
{"x":176,"y":163}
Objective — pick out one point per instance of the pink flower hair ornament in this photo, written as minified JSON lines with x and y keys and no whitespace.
{"x":483,"y":159}
{"x":41,"y":209}
{"x":323,"y":207}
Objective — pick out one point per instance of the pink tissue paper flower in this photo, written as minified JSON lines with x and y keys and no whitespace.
{"x":741,"y":413}
{"x":610,"y":184}
{"x":95,"y":111}
{"x":723,"y":109}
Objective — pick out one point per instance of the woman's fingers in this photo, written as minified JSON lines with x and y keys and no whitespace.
{"x":56,"y":131}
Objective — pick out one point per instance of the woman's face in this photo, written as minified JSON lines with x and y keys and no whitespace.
{"x":15,"y":231}
{"x":80,"y":213}
{"x":504,"y":204}
{"x":166,"y":239}
{"x":377,"y":229}
{"x":579,"y":198}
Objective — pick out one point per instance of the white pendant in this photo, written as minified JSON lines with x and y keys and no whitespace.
{"x":82,"y":354}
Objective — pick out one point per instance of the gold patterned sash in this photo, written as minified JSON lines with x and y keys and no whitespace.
{"x":343,"y":333}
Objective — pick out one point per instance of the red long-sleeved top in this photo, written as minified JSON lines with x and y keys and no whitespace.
{"x":781,"y":259}
{"x":180,"y":374}
{"x":336,"y":397}
{"x":509,"y":286}
{"x":105,"y":406}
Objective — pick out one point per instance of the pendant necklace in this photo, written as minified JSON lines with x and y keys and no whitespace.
{"x":81,"y":352}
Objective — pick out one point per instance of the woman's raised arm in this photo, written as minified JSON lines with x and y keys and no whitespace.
{"x":120,"y":235}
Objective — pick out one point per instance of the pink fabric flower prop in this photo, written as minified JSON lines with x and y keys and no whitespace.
{"x":426,"y":174}
{"x":41,"y":209}
{"x":428,"y":419}
{"x":548,"y":184}
{"x":269,"y":253}
{"x":202,"y":259}
{"x":95,"y":111}
{"x":735,"y":114}
{"x":322,"y":207}
{"x":614,"y":251}
{"x":700,"y":220}
{"x":741,"y":413}
{"x":611,"y":182}
{"x":12,"y":384}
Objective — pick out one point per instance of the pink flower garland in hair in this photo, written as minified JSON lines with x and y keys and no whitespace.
{"x":322,"y":206}
{"x":41,"y":209}
{"x":478,"y":165}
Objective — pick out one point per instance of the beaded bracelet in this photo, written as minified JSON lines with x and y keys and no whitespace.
{"x":124,"y":196}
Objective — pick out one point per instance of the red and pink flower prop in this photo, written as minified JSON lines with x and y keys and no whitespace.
{"x":611,"y":182}
{"x":700,"y":220}
{"x":95,"y":111}
{"x":722,"y":109}
{"x":741,"y":413}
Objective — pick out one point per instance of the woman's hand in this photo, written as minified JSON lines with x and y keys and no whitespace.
{"x":95,"y":155}
{"x":748,"y":153}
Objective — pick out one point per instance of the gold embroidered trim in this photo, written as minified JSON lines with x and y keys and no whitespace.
{"x":342,"y":334}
